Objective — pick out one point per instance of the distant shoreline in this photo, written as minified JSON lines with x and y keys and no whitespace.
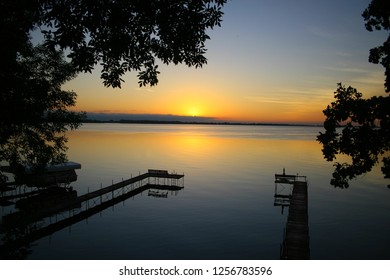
{"x":198,"y":123}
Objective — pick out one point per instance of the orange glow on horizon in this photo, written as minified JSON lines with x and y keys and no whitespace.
{"x":190,"y":108}
{"x":198,"y":100}
{"x":253,"y":72}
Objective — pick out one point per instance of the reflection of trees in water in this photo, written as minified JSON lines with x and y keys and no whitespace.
{"x":35,"y":111}
{"x":48,"y":210}
{"x":12,"y":247}
{"x":20,"y":227}
{"x":121,"y":36}
{"x":365,"y":136}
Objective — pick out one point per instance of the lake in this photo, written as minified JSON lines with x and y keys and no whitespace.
{"x":226,"y":208}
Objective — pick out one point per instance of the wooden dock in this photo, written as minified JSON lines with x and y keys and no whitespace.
{"x":153,"y":179}
{"x":296,"y":243}
{"x":82,"y":207}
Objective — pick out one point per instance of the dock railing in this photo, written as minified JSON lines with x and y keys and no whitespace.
{"x":66,"y":213}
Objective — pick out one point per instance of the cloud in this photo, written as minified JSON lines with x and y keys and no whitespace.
{"x":346,"y":69}
{"x":293,"y":97}
{"x":273,"y":100}
{"x":144,"y":89}
{"x":323,"y":33}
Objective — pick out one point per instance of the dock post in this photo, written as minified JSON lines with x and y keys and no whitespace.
{"x":100,"y":194}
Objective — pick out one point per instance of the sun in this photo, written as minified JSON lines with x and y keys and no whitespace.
{"x":193,"y":112}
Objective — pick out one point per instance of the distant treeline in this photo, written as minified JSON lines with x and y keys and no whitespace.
{"x":194,"y":122}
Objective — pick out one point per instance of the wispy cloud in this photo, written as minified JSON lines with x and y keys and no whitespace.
{"x":370,"y":78}
{"x":322,"y":33}
{"x":147,"y":89}
{"x":294,"y":97}
{"x":346,"y":69}
{"x":274,"y":100}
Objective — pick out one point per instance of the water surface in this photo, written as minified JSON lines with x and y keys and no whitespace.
{"x":226,"y":209}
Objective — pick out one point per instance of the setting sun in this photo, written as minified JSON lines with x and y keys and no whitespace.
{"x":194,"y":112}
{"x":271,"y":78}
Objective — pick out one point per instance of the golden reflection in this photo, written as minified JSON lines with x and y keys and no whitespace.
{"x":188,"y":150}
{"x":125,"y":143}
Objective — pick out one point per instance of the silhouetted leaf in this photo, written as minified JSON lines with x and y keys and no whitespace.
{"x":364,"y":136}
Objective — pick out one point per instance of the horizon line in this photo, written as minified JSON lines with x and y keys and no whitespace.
{"x":180,"y":119}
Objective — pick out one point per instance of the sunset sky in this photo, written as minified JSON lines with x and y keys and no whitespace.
{"x":270,"y":61}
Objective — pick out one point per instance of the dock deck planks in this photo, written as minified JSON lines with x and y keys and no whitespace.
{"x":8,"y":247}
{"x":296,"y":243}
{"x":76,"y":202}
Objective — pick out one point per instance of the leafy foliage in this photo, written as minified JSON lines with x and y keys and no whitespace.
{"x":34,"y":109}
{"x":377,"y":17}
{"x":365,"y":136}
{"x":129,"y":35}
{"x":123,"y":36}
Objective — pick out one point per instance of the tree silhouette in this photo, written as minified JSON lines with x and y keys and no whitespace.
{"x":365,"y":136}
{"x":35,"y":110}
{"x":123,"y":36}
{"x":377,"y":16}
{"x":129,"y":35}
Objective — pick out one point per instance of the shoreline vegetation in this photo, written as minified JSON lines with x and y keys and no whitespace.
{"x":146,"y":121}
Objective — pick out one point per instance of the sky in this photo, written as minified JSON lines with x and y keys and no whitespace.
{"x":276,"y":61}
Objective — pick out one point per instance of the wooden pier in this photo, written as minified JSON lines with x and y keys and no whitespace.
{"x":81,"y":207}
{"x":296,"y":241}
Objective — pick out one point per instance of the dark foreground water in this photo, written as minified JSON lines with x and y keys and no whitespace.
{"x":226,"y":209}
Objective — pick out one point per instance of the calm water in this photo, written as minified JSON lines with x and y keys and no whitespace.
{"x":226,"y":209}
